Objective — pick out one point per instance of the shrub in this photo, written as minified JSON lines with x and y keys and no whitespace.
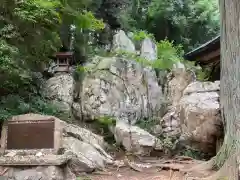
{"x":195,"y":154}
{"x":168,"y":54}
{"x":102,"y":125}
{"x":13,"y":105}
{"x":141,"y":35}
{"x":107,"y":120}
{"x":147,"y":124}
{"x":201,"y":74}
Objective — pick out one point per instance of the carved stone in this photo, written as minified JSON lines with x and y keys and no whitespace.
{"x":29,"y":133}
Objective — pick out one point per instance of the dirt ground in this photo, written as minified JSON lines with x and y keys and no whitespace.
{"x":153,"y":169}
{"x":128,"y":174}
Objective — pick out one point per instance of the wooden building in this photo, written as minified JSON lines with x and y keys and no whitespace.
{"x":207,"y":55}
{"x":63,"y":61}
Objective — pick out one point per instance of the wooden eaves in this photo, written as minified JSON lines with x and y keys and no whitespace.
{"x":207,"y":55}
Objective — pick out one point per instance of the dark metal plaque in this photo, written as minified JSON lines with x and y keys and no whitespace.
{"x":30,"y":134}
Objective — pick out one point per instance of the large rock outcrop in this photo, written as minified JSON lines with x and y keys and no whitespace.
{"x":59,"y":90}
{"x":122,"y":89}
{"x":200,"y":115}
{"x":119,"y":88}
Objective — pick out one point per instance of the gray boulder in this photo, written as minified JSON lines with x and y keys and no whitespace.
{"x":87,"y":147}
{"x":200,"y":115}
{"x":59,"y":90}
{"x":122,"y":42}
{"x":149,"y":49}
{"x":136,"y":140}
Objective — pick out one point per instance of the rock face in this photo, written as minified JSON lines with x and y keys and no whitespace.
{"x":170,"y":123}
{"x":120,"y":88}
{"x":135,"y":139}
{"x":87,"y":157}
{"x":149,"y":49}
{"x":122,"y":42}
{"x":88,"y":148}
{"x":59,"y":90}
{"x":194,"y":114}
{"x":179,"y":65}
{"x":200,"y":115}
{"x":178,"y":80}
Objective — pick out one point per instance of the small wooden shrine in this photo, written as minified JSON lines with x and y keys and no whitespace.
{"x":63,"y":61}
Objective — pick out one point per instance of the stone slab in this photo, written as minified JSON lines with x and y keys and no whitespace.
{"x":31,"y":134}
{"x":45,"y":160}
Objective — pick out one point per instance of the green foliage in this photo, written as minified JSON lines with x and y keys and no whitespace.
{"x":75,"y":13}
{"x":12,"y":105}
{"x":29,"y":35}
{"x":189,"y":22}
{"x":141,"y":35}
{"x":85,"y":20}
{"x":102,"y":125}
{"x":134,"y":16}
{"x":109,"y":11}
{"x":28,"y":32}
{"x":107,"y":121}
{"x":187,"y":151}
{"x":202,"y":74}
{"x":147,"y":124}
{"x":168,"y":54}
{"x":89,"y":22}
{"x":169,"y":144}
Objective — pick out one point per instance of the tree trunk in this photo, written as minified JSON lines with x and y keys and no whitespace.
{"x":227,"y":157}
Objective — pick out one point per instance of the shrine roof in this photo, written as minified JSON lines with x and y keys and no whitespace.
{"x":203,"y":49}
{"x":64,"y":54}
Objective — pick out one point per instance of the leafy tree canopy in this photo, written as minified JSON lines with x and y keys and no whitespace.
{"x":187,"y":22}
{"x":29,"y":32}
